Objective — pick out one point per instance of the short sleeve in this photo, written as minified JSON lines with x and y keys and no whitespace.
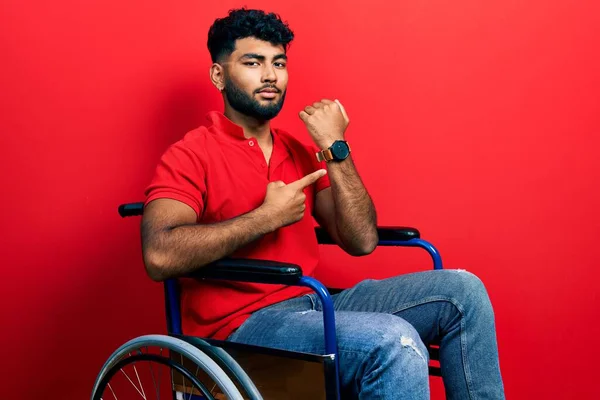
{"x":323,"y":182}
{"x":179,"y":175}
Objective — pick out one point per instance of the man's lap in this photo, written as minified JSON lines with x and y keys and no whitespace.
{"x":300,"y":328}
{"x":386,"y":323}
{"x":362,"y":312}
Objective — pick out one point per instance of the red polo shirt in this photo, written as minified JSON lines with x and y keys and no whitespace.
{"x":221,"y":174}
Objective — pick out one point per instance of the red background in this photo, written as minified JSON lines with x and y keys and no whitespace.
{"x":476,"y":122}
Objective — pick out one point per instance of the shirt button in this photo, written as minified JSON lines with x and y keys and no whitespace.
{"x":251,"y":143}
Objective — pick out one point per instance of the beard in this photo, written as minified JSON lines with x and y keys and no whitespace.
{"x":248,"y":105}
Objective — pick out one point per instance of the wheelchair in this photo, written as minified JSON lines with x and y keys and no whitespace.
{"x":180,"y":367}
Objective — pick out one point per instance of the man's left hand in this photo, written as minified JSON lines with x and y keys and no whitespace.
{"x":326,"y":122}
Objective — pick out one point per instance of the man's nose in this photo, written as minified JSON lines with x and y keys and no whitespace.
{"x":269,"y":74}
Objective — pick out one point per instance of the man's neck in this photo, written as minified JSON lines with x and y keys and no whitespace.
{"x":261,"y":130}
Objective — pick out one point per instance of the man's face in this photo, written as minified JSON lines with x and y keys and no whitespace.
{"x":256,"y":78}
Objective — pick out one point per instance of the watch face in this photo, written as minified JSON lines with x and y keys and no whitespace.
{"x":340,"y":150}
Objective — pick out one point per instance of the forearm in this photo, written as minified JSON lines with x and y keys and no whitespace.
{"x":355,"y":216}
{"x":180,"y":250}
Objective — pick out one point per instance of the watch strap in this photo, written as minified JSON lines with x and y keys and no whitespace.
{"x":325,"y":155}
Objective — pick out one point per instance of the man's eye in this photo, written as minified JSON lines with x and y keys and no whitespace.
{"x":251,"y":63}
{"x":280,"y":65}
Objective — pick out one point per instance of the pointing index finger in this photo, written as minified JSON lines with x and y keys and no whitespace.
{"x":308,"y":179}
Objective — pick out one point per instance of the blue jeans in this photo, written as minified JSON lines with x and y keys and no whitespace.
{"x":382,"y":327}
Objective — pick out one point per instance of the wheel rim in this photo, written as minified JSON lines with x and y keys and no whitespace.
{"x":150,"y":374}
{"x":178,"y":352}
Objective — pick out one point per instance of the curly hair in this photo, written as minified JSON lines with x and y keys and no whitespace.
{"x":242,"y":23}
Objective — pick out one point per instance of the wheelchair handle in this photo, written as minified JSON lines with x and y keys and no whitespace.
{"x":131,"y":209}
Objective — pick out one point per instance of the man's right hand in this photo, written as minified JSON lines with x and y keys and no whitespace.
{"x":285,"y":204}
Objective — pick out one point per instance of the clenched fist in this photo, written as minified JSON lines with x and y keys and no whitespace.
{"x":326,"y":122}
{"x":284,"y":204}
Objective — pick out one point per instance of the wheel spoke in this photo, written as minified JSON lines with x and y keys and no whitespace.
{"x":183,"y":377}
{"x":139,"y":381}
{"x":153,"y":380}
{"x":196,"y":375}
{"x":172,"y":375}
{"x":159,"y":370}
{"x":113,"y":392}
{"x":133,"y":384}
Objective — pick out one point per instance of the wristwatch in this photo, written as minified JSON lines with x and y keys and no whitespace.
{"x":338,"y":151}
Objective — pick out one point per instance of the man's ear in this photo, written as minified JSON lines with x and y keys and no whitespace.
{"x":217,"y":76}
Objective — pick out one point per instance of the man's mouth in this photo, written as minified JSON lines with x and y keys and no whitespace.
{"x":269,"y":90}
{"x":268,"y":93}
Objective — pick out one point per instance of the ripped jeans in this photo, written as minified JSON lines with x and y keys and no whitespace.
{"x":382,"y":327}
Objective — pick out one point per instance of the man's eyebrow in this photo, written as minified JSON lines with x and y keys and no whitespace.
{"x":254,"y":56}
{"x":260,"y":57}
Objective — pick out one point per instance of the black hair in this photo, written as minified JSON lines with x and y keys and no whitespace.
{"x":242,"y":23}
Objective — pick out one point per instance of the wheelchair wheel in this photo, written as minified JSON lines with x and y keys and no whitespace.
{"x":162,"y":367}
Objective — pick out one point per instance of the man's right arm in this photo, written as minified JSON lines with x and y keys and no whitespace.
{"x":174,"y":245}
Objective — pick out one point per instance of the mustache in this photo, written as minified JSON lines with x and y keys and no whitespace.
{"x":268,"y":87}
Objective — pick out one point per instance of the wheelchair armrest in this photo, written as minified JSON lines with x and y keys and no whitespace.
{"x":250,"y":270}
{"x":386,"y":233}
{"x":401,"y":233}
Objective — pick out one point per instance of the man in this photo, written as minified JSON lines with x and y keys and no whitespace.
{"x":239,"y":188}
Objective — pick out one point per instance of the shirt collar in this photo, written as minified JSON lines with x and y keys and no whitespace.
{"x":223,"y":124}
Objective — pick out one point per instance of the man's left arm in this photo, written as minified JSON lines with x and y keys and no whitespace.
{"x":345,"y":209}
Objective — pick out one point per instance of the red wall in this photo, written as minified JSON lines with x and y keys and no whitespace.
{"x":476,"y":122}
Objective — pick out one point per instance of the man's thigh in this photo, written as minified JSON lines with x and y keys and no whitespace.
{"x":379,"y":353}
{"x":368,"y":344}
{"x":422,"y":298}
{"x":302,"y":330}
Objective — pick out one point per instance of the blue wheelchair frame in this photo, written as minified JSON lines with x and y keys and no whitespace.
{"x":262,"y":271}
